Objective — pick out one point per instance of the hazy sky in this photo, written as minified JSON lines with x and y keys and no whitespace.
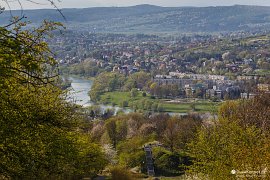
{"x":105,"y":3}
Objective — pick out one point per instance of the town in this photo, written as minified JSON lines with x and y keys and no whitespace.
{"x":217,"y":67}
{"x":141,"y":92}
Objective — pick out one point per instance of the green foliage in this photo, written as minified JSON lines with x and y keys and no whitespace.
{"x":39,"y":129}
{"x":120,"y":173}
{"x":134,"y":159}
{"x":86,"y":68}
{"x":254,"y":112}
{"x":239,"y":141}
{"x":144,"y":94}
{"x":228,"y":109}
{"x":133,"y":92}
{"x":179,"y":131}
{"x":109,"y":82}
{"x":116,"y":129}
{"x":23,"y":54}
{"x":139,"y":80}
{"x":193,"y":107}
{"x":131,"y":152}
{"x":227,"y":146}
{"x":166,"y":162}
{"x":112,"y":132}
{"x":89,"y":159}
{"x":164,"y":91}
{"x":38,"y":139}
{"x":124,"y":104}
{"x":106,"y":82}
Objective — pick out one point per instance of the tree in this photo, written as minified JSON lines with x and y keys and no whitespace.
{"x":25,"y":56}
{"x":167,"y":162}
{"x":39,"y":129}
{"x":106,"y":82}
{"x":133,"y":92}
{"x":171,"y":133}
{"x":124,"y":104}
{"x":138,"y":80}
{"x":239,"y":141}
{"x":130,"y":152}
{"x":254,"y":112}
{"x":180,"y":131}
{"x":219,"y":149}
{"x":112,"y":132}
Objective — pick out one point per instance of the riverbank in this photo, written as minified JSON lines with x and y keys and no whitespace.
{"x":146,"y":102}
{"x":139,"y":101}
{"x":79,"y":94}
{"x":78,"y":76}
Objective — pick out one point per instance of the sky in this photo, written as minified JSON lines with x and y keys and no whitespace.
{"x":108,"y":3}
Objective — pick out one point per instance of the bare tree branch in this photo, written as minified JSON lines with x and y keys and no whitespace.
{"x":20,"y":2}
{"x":14,"y":22}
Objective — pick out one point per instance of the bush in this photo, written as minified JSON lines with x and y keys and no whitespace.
{"x":160,"y":108}
{"x":120,"y":173}
{"x":120,"y":111}
{"x":154,"y":107}
{"x":124,"y":104}
{"x":133,"y":92}
{"x":169,"y":163}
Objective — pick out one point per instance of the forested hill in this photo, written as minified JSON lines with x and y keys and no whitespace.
{"x":148,"y":18}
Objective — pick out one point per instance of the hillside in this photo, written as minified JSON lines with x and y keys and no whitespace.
{"x":148,"y":18}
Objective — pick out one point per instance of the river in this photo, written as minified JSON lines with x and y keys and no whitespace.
{"x":79,"y":92}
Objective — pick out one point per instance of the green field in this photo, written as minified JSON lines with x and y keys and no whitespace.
{"x":186,"y":107}
{"x":117,"y":98}
{"x":262,"y":72}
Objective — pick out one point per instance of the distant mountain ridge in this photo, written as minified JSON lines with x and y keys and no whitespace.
{"x":149,"y":18}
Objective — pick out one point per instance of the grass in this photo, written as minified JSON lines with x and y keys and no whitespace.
{"x":262,"y":72}
{"x":172,"y":178}
{"x":117,"y":98}
{"x":205,"y":106}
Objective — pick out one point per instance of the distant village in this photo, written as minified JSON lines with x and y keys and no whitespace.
{"x":216,"y":67}
{"x":211,"y":86}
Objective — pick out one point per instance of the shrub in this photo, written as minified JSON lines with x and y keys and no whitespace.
{"x":120,"y":173}
{"x":124,"y":104}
